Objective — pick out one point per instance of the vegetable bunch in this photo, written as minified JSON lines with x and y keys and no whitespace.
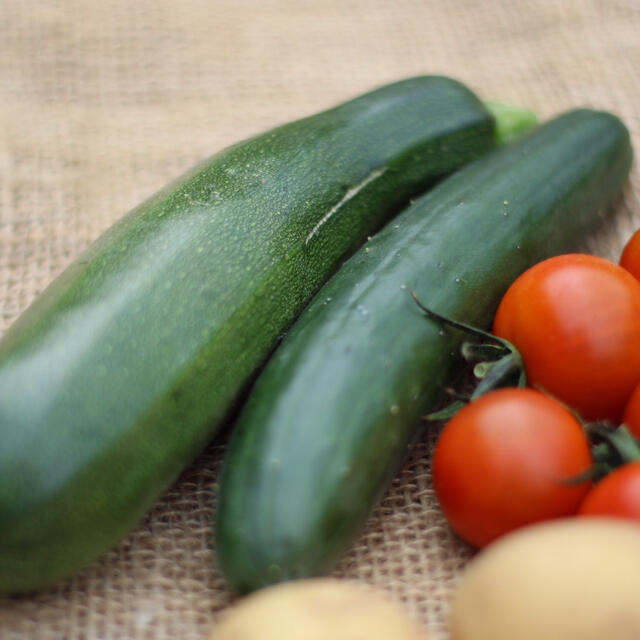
{"x":551,"y":446}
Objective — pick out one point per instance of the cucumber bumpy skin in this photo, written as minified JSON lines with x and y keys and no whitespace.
{"x":330,"y":418}
{"x":120,"y":373}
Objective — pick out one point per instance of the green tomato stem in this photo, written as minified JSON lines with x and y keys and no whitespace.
{"x":497,"y":362}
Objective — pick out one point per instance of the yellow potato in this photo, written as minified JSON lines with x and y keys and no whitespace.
{"x":317,"y":609}
{"x":574,"y":579}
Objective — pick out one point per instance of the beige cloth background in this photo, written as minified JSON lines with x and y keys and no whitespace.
{"x":101,"y":103}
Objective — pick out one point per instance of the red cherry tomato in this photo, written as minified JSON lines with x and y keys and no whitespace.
{"x":616,"y":495}
{"x":630,"y":259}
{"x":632,"y":413}
{"x":505,"y":461}
{"x":576,"y":321}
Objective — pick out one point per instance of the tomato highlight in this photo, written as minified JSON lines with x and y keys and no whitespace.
{"x":509,"y":459}
{"x":575,"y":319}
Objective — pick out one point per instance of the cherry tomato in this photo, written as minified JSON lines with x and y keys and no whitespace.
{"x":576,"y":321}
{"x":630,"y":259}
{"x":632,"y":413}
{"x":505,"y":461}
{"x":616,"y":495}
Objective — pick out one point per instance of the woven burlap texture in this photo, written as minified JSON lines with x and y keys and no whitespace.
{"x":102,"y":103}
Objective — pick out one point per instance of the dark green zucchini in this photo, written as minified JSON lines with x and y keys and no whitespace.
{"x":123,"y":369}
{"x":330,"y":418}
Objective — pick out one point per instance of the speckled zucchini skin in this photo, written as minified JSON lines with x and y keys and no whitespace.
{"x":330,"y":418}
{"x":122,"y":370}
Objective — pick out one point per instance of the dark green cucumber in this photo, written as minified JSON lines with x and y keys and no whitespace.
{"x":122,"y":370}
{"x":330,"y":418}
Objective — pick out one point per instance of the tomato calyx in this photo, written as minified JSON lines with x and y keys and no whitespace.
{"x":612,"y":447}
{"x":495,"y":363}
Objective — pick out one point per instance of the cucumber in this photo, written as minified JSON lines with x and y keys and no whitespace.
{"x":330,"y":418}
{"x":120,"y":373}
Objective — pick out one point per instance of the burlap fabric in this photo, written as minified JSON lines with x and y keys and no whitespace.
{"x":101,"y":103}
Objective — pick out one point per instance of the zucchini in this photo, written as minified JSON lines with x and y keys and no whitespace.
{"x":119,"y":374}
{"x":330,"y":418}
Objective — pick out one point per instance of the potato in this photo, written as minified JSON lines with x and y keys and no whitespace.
{"x":573,"y":579}
{"x":316,"y":609}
